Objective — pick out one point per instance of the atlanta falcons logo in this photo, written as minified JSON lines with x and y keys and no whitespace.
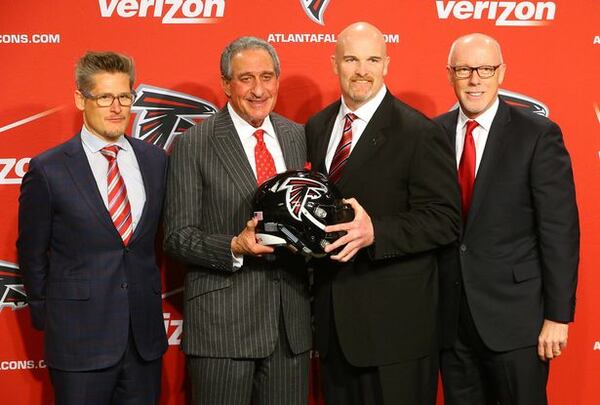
{"x":315,"y":9}
{"x":162,"y":115}
{"x":298,"y":191}
{"x":12,"y":292}
{"x":522,"y":101}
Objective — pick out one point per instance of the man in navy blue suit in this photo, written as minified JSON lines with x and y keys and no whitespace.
{"x":88,"y":215}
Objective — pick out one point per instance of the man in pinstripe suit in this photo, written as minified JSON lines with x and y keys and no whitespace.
{"x":247,"y":316}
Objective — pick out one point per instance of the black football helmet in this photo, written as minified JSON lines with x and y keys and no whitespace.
{"x":293,"y":209}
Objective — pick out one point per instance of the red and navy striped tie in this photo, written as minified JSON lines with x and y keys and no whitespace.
{"x":118,"y":203}
{"x":342,"y":152}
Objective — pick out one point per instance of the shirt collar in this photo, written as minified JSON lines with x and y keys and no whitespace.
{"x":95,"y":144}
{"x":245,"y":130}
{"x":365,"y":112}
{"x":484,"y":120}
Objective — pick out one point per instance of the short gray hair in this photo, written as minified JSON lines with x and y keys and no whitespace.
{"x":242,"y":44}
{"x":102,"y":62}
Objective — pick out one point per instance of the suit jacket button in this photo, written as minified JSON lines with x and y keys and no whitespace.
{"x":457,"y":283}
{"x":124,"y":286}
{"x":463,"y":248}
{"x":127,"y":249}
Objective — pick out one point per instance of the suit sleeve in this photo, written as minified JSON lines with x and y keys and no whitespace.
{"x":185,"y":237}
{"x":33,"y":244}
{"x":433,"y":216}
{"x":557,"y":220}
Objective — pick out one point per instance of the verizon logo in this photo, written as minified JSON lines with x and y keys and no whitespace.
{"x":170,"y":11}
{"x":13,"y":170}
{"x":505,"y":13}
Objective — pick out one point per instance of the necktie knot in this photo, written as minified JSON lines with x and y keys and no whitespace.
{"x":471,"y":125}
{"x":259,"y":134}
{"x":351,"y":117}
{"x":110,"y":152}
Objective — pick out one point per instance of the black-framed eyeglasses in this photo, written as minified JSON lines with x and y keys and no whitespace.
{"x":484,"y":71}
{"x":107,"y":99}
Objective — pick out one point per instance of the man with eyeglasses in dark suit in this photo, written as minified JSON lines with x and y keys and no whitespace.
{"x":88,"y":215}
{"x":507,"y":288}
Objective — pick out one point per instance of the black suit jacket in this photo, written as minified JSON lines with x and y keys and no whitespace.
{"x":519,"y":250}
{"x":402,"y":172}
{"x":84,"y":286}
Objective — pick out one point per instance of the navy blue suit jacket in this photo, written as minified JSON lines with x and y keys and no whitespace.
{"x":85,"y":288}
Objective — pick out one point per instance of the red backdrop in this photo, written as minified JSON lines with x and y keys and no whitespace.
{"x":551,"y":49}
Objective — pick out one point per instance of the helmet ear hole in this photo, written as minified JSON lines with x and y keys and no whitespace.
{"x":295,"y":207}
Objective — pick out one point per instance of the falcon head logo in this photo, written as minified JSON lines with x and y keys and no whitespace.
{"x":162,"y":115}
{"x":298,"y":192}
{"x":12,"y":291}
{"x":315,"y":9}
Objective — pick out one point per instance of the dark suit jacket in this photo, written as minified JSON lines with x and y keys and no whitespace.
{"x":231,"y":312}
{"x":402,"y":172}
{"x":84,"y":286}
{"x":519,"y":249}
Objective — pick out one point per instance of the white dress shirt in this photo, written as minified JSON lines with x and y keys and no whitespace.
{"x":480,"y":133}
{"x":246,"y":133}
{"x":128,"y":167}
{"x":364,"y":114}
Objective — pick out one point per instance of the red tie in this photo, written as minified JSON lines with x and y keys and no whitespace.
{"x":265,"y":166}
{"x":342,"y":152}
{"x":466,"y":169}
{"x":118,"y":203}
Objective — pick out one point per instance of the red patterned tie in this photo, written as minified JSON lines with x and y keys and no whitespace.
{"x":265,"y":166}
{"x":466,"y":169}
{"x":118,"y":203}
{"x":342,"y":152}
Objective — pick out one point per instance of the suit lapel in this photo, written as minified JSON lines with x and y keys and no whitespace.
{"x":144,"y":165}
{"x":371,"y":140}
{"x":230,"y":151}
{"x":318,"y":160}
{"x":293,"y":159}
{"x":78,"y":167}
{"x":494,"y":148}
{"x":449,"y":126}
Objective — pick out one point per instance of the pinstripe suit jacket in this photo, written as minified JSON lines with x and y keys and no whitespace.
{"x":231,"y":312}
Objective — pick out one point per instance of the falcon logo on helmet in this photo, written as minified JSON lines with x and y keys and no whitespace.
{"x":293,"y":209}
{"x":298,"y":191}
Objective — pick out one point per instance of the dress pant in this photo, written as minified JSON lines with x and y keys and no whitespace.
{"x":412,"y":382}
{"x":132,"y":381}
{"x":279,"y":379}
{"x":472,"y":374}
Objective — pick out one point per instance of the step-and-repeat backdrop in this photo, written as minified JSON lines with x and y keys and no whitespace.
{"x":552,"y":49}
